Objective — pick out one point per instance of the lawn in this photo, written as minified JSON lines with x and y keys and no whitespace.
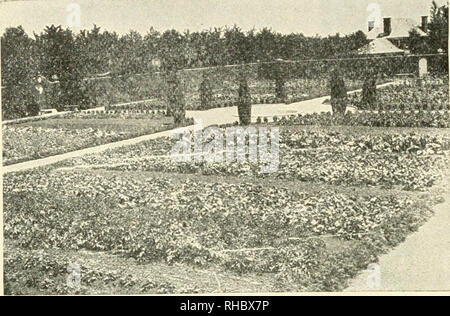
{"x":136,"y":223}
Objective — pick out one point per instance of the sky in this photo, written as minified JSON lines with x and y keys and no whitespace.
{"x":310,"y":17}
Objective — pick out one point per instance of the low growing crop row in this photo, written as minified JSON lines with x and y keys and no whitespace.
{"x":76,"y":131}
{"x":436,"y":119}
{"x":207,"y":224}
{"x":410,"y":162}
{"x":429,"y":94}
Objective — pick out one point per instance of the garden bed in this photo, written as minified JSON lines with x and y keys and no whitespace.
{"x":338,"y":201}
{"x":427,"y":94}
{"x":53,"y":136}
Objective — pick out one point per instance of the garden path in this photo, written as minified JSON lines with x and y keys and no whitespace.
{"x":421,"y":263}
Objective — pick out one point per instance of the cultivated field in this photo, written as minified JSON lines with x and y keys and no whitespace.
{"x":53,"y":136}
{"x":346,"y":190}
{"x":138,"y":223}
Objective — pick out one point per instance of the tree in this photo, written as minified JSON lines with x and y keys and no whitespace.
{"x":171,"y":51}
{"x":150,"y":46}
{"x":369,"y":92}
{"x":60,"y":60}
{"x":353,"y":42}
{"x":438,"y":28}
{"x":418,"y":44}
{"x":19,"y":65}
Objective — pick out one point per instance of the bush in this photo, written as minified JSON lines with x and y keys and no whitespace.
{"x":175,"y":98}
{"x":245,"y":101}
{"x":206,"y":95}
{"x":280,"y":89}
{"x":338,"y":92}
{"x":369,"y":92}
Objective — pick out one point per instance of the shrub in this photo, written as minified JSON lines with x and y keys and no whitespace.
{"x":206,"y":95}
{"x":279,"y":89}
{"x":244,"y":104}
{"x":175,"y":97}
{"x":338,"y":92}
{"x":369,"y":92}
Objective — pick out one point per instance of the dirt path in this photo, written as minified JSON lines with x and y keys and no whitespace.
{"x":421,"y":263}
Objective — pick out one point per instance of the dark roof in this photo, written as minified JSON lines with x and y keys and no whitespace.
{"x":400,"y":29}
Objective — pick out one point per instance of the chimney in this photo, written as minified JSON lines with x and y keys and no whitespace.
{"x":371,"y":25}
{"x":425,"y":23}
{"x":387,"y":26}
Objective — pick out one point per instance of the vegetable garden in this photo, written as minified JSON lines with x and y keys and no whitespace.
{"x":348,"y":188}
{"x":338,"y":200}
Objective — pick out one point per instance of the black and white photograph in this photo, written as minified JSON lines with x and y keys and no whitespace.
{"x":225,"y":148}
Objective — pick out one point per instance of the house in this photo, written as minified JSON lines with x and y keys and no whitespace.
{"x":397,"y":30}
{"x":380,"y":46}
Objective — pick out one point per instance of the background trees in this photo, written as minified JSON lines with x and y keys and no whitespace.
{"x":69,"y":58}
{"x":59,"y":60}
{"x":437,"y":33}
{"x":19,"y":71}
{"x":438,"y":27}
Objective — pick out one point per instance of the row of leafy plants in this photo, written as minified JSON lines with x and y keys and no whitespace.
{"x":113,"y":112}
{"x":410,"y":162}
{"x":206,"y":224}
{"x":420,"y":94}
{"x":24,"y":143}
{"x":432,"y":119}
{"x":35,"y":272}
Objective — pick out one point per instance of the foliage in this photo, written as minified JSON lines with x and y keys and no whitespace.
{"x":244,"y":102}
{"x":338,"y":92}
{"x":84,"y":210}
{"x":438,"y":27}
{"x":77,"y":131}
{"x":19,"y":71}
{"x":31,"y":273}
{"x":206,"y":93}
{"x":436,"y":119}
{"x":429,"y":94}
{"x":174,"y":96}
{"x":369,"y":91}
{"x":405,"y":161}
{"x":58,"y":61}
{"x":312,"y":238}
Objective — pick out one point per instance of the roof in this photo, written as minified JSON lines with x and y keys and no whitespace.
{"x":400,"y":29}
{"x":379,"y":46}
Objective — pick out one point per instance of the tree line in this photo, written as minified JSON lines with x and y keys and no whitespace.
{"x":60,"y":54}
